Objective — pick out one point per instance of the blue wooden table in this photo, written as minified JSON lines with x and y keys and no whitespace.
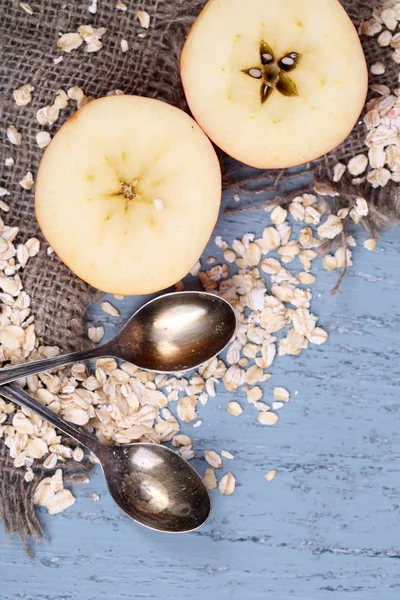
{"x":330,"y":522}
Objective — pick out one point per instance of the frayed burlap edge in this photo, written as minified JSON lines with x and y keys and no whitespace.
{"x":17,"y":510}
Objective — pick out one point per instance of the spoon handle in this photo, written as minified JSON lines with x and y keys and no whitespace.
{"x":8,"y":374}
{"x":14,"y":394}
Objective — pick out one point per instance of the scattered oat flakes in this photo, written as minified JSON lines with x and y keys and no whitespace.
{"x":187,"y":409}
{"x":227,"y":455}
{"x":33,"y":246}
{"x":125,"y":48}
{"x":92,"y":37}
{"x":13,"y":135}
{"x":27,"y":181}
{"x":281,"y":394}
{"x":278,"y":215}
{"x":384,"y":38}
{"x":121,"y":6}
{"x":277,"y":405}
{"x":78,"y":454}
{"x":378,"y":68}
{"x":270,"y":476}
{"x":252,"y":255}
{"x":357,"y":164}
{"x":26,"y":7}
{"x":75,"y":93}
{"x":318,"y":336}
{"x":210,"y":479}
{"x":60,"y":101}
{"x":29,"y":475}
{"x":96,"y":334}
{"x":370,"y":245}
{"x":338,"y":171}
{"x":229,"y":256}
{"x":379,"y":177}
{"x":213,"y":459}
{"x":69,"y":41}
{"x":23,"y":95}
{"x":234,"y":409}
{"x":233,"y":378}
{"x":268,"y":418}
{"x":109,"y":309}
{"x":22,"y":254}
{"x":371,"y":27}
{"x":43,"y":139}
{"x":37,"y":447}
{"x":93,"y":7}
{"x":306,"y":278}
{"x":95,"y":497}
{"x":9,"y":162}
{"x":297,"y":210}
{"x":254,"y":394}
{"x":227,"y":484}
{"x":60,"y":502}
{"x":332,"y":227}
{"x":47,"y":115}
{"x":383,"y":90}
{"x":388,"y":18}
{"x":144,"y":18}
{"x":254,"y":374}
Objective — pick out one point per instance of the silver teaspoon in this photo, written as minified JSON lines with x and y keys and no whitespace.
{"x":172,"y":333}
{"x":152,"y":484}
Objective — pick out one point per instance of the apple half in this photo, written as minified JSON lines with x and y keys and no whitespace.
{"x":275,"y":83}
{"x":128,"y":193}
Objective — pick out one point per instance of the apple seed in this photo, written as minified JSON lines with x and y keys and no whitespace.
{"x":274,"y":75}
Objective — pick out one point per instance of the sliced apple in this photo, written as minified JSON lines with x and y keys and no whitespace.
{"x":274,"y":83}
{"x":128,"y":193}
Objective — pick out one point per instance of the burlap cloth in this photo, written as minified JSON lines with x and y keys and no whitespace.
{"x":149,"y":68}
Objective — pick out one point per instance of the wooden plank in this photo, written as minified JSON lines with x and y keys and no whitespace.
{"x":328,"y":523}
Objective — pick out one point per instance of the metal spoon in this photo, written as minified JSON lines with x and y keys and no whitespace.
{"x":152,"y":484}
{"x":174,"y":332}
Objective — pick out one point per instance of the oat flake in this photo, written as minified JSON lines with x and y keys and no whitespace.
{"x":144,"y":18}
{"x":270,"y":476}
{"x":109,"y":309}
{"x":13,"y":135}
{"x":227,"y":484}
{"x":69,"y":41}
{"x":213,"y":459}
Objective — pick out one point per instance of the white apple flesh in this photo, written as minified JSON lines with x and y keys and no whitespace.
{"x":128,"y":193}
{"x":223,"y":71}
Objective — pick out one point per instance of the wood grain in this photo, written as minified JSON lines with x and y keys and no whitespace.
{"x":328,"y":526}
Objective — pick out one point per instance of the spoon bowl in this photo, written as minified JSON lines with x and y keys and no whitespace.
{"x":156,"y":487}
{"x":176,"y":332}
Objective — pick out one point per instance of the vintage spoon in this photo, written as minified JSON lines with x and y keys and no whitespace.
{"x":172,"y":333}
{"x":152,"y":484}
